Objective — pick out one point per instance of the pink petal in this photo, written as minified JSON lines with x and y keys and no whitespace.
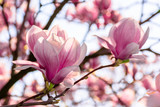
{"x":138,"y":57}
{"x":106,"y":44}
{"x":125,"y":33}
{"x":24,"y":62}
{"x":153,"y":100}
{"x":58,"y":32}
{"x":147,"y":82}
{"x":59,"y":77}
{"x":158,"y":82}
{"x":32,"y":36}
{"x":27,"y":64}
{"x":69,"y":53}
{"x":82,"y":54}
{"x":47,"y":57}
{"x":111,"y":35}
{"x":56,"y":41}
{"x":130,"y":49}
{"x":145,"y":37}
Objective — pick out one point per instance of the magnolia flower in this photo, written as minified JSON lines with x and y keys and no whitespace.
{"x":103,"y":4}
{"x":115,"y":16}
{"x":127,"y":96}
{"x":97,"y":88}
{"x":147,"y":83}
{"x":56,"y":54}
{"x":125,"y":39}
{"x":75,"y":1}
{"x":106,"y":17}
{"x":87,"y":12}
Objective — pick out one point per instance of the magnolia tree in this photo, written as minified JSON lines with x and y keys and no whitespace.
{"x":79,"y":53}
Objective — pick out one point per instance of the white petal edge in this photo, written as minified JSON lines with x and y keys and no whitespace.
{"x":145,"y":37}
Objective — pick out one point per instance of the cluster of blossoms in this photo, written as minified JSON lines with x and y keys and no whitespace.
{"x":58,"y":55}
{"x":8,"y":16}
{"x":97,"y":11}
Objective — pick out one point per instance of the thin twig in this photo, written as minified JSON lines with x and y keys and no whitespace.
{"x":100,"y":52}
{"x":149,"y":49}
{"x":86,"y":34}
{"x":57,"y":10}
{"x":33,"y":103}
{"x":142,"y":8}
{"x":15,"y":78}
{"x":82,"y":78}
{"x":22,"y":102}
{"x":110,"y":86}
{"x":7,"y":24}
{"x":150,"y":17}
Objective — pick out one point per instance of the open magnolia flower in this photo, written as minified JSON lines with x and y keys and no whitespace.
{"x":125,"y":39}
{"x":56,"y":54}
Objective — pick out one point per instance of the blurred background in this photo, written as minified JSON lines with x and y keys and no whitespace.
{"x":120,"y":86}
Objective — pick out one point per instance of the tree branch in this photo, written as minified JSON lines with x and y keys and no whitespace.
{"x":149,"y":17}
{"x":33,"y":103}
{"x":22,"y":103}
{"x":7,"y":24}
{"x":82,"y":78}
{"x":15,"y":78}
{"x":57,"y":10}
{"x":101,"y":51}
{"x":15,"y":53}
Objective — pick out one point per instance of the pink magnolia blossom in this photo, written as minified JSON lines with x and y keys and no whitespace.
{"x":147,"y":82}
{"x":115,"y":16}
{"x":106,"y":17}
{"x":31,"y":19}
{"x":103,"y":4}
{"x":75,"y":1}
{"x":56,"y":54}
{"x":127,"y":96}
{"x":99,"y":23}
{"x":97,"y":88}
{"x":70,"y":14}
{"x":9,"y":10}
{"x":87,"y":12}
{"x":92,"y":63}
{"x":153,"y":100}
{"x":125,"y":39}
